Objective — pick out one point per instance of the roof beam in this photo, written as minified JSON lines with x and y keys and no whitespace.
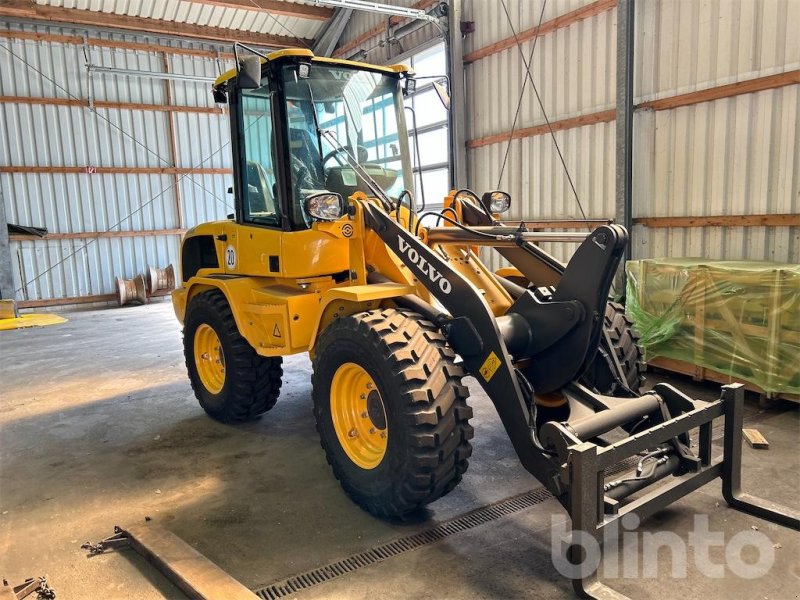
{"x":29,"y":10}
{"x":380,"y":28}
{"x":275,"y":7}
{"x":36,"y":36}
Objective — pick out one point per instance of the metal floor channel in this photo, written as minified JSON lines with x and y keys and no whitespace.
{"x":376,"y":554}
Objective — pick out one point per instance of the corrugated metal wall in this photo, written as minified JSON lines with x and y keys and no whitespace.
{"x":73,"y":136}
{"x":571,"y":68}
{"x":733,"y":156}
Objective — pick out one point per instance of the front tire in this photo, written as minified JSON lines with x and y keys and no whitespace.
{"x":391,"y":410}
{"x":602,"y":375}
{"x":230,"y":380}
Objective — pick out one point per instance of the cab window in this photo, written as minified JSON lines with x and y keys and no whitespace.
{"x":338,"y":116}
{"x":260,"y":191}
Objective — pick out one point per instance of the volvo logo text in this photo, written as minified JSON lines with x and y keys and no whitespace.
{"x":428,"y":269}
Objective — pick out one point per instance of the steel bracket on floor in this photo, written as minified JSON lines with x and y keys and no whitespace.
{"x":184,"y":566}
{"x":28,"y":587}
{"x":120,"y":538}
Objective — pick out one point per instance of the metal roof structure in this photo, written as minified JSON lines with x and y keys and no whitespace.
{"x":270,"y":23}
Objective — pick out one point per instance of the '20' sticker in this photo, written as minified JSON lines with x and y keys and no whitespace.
{"x":230,"y":257}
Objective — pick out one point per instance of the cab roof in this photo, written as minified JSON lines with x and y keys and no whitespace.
{"x":303,"y":53}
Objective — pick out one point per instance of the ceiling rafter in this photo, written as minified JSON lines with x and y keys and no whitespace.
{"x":275,"y":7}
{"x":26,"y":9}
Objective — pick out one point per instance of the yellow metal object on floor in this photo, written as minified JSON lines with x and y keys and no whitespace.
{"x":8,"y":309}
{"x":31,"y":320}
{"x":209,"y":358}
{"x":359,"y":417}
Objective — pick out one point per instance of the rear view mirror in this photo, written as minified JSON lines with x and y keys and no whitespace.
{"x":220,"y":97}
{"x":249,"y":77}
{"x":442,"y":92}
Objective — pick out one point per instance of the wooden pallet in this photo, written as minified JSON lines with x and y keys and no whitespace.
{"x":699,"y":373}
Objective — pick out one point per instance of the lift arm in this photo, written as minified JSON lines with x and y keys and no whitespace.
{"x":473,"y":332}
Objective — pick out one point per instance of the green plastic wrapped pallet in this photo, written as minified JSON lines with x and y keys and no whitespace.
{"x":741,"y":319}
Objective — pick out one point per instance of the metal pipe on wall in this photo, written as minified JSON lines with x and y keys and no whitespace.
{"x":624,"y":126}
{"x":147,"y":74}
{"x":396,"y":36}
{"x":379,"y":7}
{"x":6,"y":274}
{"x":458,"y":99}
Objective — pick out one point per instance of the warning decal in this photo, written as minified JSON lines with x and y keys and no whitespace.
{"x":490,"y":366}
{"x":276,"y":332}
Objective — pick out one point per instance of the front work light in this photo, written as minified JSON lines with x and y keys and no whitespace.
{"x":325,"y":206}
{"x":496,"y":202}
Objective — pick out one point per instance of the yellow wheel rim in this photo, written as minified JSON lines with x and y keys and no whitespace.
{"x":359,"y":417}
{"x":209,"y":358}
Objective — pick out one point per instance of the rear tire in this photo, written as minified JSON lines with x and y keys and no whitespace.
{"x":247,"y":384}
{"x":602,"y":375}
{"x":425,"y":414}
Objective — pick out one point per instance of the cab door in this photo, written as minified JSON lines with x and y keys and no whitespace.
{"x":254,"y":241}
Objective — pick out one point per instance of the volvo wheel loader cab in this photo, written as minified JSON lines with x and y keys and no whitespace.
{"x":391,"y":411}
{"x":327,"y":253}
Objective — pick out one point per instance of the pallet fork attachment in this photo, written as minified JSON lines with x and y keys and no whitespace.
{"x":592,"y":510}
{"x":570,"y":457}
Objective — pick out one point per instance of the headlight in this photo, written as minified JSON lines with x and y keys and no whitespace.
{"x":496,"y":201}
{"x":325,"y":206}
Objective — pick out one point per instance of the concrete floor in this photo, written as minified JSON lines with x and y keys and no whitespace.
{"x":100,"y":427}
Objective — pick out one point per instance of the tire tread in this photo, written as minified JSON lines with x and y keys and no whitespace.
{"x":433,"y":401}
{"x":255,"y":379}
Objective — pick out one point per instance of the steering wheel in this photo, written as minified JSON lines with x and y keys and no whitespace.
{"x":361,"y":152}
{"x":334,"y":154}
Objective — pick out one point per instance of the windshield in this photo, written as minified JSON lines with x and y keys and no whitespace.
{"x":361,"y":113}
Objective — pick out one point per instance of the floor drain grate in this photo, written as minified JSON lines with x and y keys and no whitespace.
{"x":376,"y":554}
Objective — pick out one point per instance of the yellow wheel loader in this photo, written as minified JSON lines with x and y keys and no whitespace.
{"x":328,"y":253}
